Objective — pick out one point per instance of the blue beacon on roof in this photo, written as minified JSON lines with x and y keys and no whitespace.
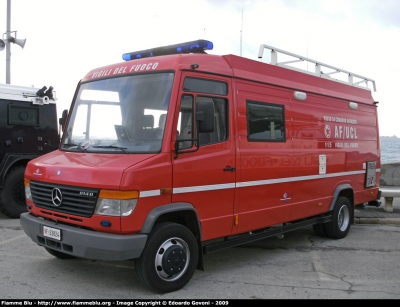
{"x":197,"y":46}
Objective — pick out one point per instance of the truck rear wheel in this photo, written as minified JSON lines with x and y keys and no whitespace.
{"x":169,"y":259}
{"x":13,"y":201}
{"x":341,"y":219}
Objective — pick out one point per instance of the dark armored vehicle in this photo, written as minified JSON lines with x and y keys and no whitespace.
{"x":28,"y":129}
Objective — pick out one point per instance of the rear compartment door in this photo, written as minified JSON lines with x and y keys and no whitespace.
{"x":264,"y":158}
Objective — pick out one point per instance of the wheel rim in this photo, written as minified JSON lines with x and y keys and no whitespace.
{"x":172,"y":259}
{"x":343,"y":218}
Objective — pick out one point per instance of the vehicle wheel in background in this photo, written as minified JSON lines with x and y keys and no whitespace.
{"x":13,"y":202}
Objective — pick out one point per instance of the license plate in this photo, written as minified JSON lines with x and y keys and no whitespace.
{"x":52,"y":233}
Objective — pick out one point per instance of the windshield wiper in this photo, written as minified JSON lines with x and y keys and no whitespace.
{"x":112,"y":146}
{"x":69,"y":145}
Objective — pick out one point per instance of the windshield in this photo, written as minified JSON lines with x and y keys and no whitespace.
{"x":120,"y":115}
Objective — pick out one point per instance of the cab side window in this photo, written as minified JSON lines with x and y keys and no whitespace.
{"x":186,"y":122}
{"x":220,"y":133}
{"x":265,"y":122}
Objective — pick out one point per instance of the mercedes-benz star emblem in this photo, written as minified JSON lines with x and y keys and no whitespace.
{"x":56,"y":197}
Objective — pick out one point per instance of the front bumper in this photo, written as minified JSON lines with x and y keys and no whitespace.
{"x":84,"y":243}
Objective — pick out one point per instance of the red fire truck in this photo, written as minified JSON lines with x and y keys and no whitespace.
{"x":175,"y":153}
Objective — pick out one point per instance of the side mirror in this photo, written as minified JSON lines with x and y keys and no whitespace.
{"x":63,"y":119}
{"x":205,"y":116}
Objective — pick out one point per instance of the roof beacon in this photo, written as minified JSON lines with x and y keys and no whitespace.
{"x":198,"y":46}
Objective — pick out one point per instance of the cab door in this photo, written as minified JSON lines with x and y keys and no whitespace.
{"x":204,"y":176}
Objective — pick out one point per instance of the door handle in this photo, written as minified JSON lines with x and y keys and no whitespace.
{"x":229,"y":169}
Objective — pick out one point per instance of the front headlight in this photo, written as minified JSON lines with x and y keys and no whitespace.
{"x":116,"y":203}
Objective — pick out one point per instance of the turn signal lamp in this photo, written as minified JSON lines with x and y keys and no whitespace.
{"x":197,"y":46}
{"x":28,"y":194}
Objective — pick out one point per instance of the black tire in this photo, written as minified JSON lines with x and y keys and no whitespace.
{"x":170,"y":248}
{"x":58,"y":254}
{"x":341,"y":219}
{"x":320,"y":230}
{"x":13,"y":201}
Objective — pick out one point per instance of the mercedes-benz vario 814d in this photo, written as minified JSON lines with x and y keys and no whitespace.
{"x":175,"y":153}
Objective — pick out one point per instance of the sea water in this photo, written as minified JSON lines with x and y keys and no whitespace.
{"x":390,"y":149}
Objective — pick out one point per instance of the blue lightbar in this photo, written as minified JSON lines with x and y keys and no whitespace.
{"x":197,"y":46}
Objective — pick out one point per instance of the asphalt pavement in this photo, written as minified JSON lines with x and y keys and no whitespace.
{"x":377,"y":215}
{"x":302,"y":266}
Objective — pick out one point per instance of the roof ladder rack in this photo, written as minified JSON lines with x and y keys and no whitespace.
{"x":318,"y":65}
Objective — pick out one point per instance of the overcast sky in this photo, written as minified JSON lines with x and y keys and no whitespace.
{"x":68,"y":38}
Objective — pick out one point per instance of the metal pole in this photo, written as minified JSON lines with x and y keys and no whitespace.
{"x":241,"y":30}
{"x":8,"y":49}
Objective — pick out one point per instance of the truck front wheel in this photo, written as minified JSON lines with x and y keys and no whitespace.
{"x":169,"y":259}
{"x":13,"y":201}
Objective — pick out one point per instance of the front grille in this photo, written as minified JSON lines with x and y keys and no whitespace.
{"x":75,"y":200}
